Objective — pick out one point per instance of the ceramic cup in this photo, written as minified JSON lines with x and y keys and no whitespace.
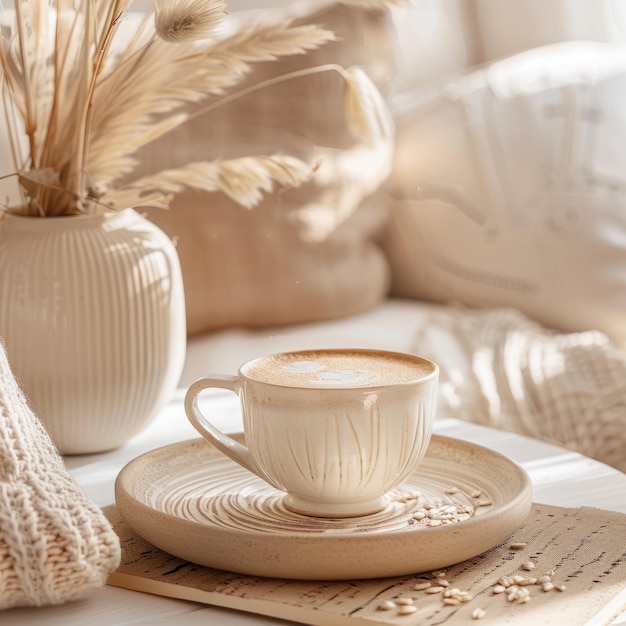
{"x":337,"y":430}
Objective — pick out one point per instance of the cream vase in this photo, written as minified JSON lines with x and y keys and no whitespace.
{"x":93,"y":318}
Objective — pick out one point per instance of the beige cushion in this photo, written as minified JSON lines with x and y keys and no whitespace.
{"x":252,"y":268}
{"x":303,"y":254}
{"x":509,"y":187}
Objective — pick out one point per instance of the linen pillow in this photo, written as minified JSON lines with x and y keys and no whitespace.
{"x":303,"y":254}
{"x":509,"y":189}
{"x":500,"y":369}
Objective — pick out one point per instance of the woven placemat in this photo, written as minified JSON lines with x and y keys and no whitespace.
{"x":581,"y":551}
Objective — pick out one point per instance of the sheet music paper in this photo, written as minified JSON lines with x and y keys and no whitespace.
{"x":585,"y":548}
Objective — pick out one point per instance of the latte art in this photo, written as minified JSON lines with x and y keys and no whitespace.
{"x":302,"y":367}
{"x":337,"y":369}
{"x":341,"y":378}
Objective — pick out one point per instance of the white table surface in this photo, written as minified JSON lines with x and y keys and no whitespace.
{"x":559,"y":477}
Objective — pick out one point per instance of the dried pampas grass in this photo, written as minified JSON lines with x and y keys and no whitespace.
{"x":243,"y":179}
{"x":77,"y":109}
{"x":188,"y":20}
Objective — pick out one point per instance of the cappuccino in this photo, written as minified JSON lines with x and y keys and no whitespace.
{"x":336,"y":430}
{"x":337,"y":369}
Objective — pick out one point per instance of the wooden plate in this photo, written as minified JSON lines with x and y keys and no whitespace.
{"x":188,"y":499}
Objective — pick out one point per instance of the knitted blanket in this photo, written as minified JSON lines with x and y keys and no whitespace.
{"x":500,"y":369}
{"x":55,"y":545}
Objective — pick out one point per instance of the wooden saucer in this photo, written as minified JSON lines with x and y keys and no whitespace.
{"x":191,"y":501}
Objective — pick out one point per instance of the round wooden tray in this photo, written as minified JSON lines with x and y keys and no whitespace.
{"x":188,"y":499}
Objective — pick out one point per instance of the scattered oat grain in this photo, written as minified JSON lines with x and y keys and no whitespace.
{"x":457,"y":594}
{"x":478,"y":613}
{"x":435,"y":589}
{"x":387,"y":605}
{"x":451,"y":601}
{"x":484,"y":503}
{"x":407,"y":609}
{"x":409,"y":496}
{"x":451,"y":491}
{"x":404,"y":601}
{"x":519,"y":595}
{"x":560,"y":587}
{"x":547,"y":586}
{"x":499,"y":589}
{"x":421,"y":586}
{"x":517,"y":546}
{"x":528,"y":566}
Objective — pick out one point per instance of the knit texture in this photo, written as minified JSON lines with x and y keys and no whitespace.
{"x":55,"y":545}
{"x":499,"y":368}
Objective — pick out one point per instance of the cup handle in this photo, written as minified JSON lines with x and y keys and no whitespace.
{"x":225,"y":444}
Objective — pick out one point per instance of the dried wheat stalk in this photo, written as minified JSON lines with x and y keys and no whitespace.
{"x":77,"y":110}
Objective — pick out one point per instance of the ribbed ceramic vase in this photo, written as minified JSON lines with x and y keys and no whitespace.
{"x":93,"y":318}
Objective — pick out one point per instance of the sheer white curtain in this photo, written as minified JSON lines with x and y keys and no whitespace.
{"x":438,"y":37}
{"x":509,"y":26}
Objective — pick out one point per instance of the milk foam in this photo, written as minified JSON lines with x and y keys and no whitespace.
{"x":337,"y":369}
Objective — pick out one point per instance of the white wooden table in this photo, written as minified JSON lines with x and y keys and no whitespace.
{"x":559,"y":477}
